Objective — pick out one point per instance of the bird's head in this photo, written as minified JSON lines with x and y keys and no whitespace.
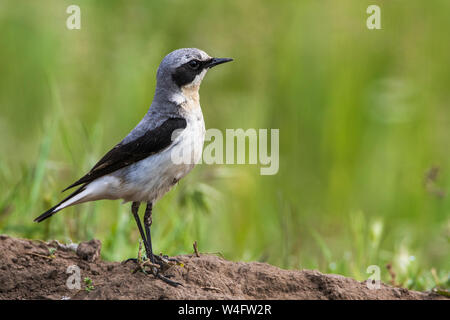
{"x":185,"y":68}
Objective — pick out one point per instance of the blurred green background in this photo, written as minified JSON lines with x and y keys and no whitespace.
{"x":364,"y":119}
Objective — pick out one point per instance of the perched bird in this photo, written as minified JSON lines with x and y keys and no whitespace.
{"x":141,"y":168}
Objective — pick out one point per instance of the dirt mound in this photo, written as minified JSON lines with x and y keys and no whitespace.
{"x":39,"y":270}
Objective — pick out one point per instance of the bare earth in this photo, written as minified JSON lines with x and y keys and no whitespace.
{"x":29,"y":271}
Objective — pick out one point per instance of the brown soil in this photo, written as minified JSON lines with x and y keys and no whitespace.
{"x":29,"y":270}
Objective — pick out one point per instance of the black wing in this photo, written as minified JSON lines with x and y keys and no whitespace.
{"x":124,"y":154}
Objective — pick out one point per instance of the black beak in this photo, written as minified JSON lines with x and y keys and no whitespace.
{"x":216,"y":61}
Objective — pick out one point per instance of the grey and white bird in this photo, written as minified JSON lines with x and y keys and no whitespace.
{"x":141,"y":168}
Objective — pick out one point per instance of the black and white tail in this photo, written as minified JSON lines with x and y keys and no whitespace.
{"x":73,"y":198}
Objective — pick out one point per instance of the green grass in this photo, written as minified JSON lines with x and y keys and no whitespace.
{"x":363,"y":116}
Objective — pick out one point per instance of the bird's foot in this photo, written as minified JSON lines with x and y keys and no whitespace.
{"x":139,"y":260}
{"x":165,"y":262}
{"x":130,"y":260}
{"x":157,"y":265}
{"x":162,"y":263}
{"x":156,"y":269}
{"x":141,"y":266}
{"x":167,"y":280}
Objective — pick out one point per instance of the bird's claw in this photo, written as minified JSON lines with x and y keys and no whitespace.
{"x":167,"y":280}
{"x":157,"y":265}
{"x":156,"y":271}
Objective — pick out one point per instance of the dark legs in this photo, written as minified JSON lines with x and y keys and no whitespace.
{"x":147,"y":224}
{"x":134,"y":210}
{"x":147,"y":239}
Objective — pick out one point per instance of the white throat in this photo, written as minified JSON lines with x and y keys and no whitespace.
{"x":189,"y":98}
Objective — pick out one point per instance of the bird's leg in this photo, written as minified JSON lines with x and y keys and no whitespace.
{"x":135,"y":210}
{"x":161,"y":261}
{"x":147,"y":224}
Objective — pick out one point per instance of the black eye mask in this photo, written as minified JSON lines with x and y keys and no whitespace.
{"x":187,"y":72}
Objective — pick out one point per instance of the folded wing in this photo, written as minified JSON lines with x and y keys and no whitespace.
{"x":124,"y":154}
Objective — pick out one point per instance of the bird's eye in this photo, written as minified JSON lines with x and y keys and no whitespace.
{"x":194,"y":64}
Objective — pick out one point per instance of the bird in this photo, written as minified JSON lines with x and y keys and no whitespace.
{"x":141,"y":167}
